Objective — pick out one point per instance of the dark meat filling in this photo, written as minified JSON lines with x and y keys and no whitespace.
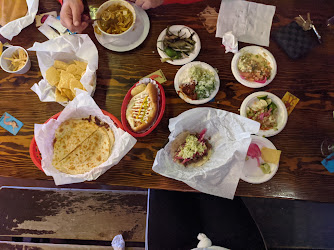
{"x":189,"y":90}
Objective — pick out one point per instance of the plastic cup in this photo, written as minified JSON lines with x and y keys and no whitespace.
{"x":5,"y":64}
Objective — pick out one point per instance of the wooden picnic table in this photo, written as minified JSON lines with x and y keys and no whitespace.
{"x":311,"y":79}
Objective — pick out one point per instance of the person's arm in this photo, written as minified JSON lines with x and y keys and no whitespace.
{"x":148,"y":4}
{"x":71,"y":15}
{"x":181,"y":1}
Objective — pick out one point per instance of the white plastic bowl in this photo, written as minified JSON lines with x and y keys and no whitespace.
{"x":282,"y":117}
{"x":114,"y":2}
{"x":5,"y":64}
{"x":183,"y":70}
{"x":254,"y":50}
{"x":251,"y":172}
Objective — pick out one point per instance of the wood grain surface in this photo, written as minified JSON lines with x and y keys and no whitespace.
{"x":300,"y":174}
{"x":73,"y":214}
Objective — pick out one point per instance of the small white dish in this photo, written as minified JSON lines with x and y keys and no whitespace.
{"x":5,"y":64}
{"x":180,"y":74}
{"x":185,"y":30}
{"x":109,"y":3}
{"x":130,"y":40}
{"x":282,"y":116}
{"x":254,"y":50}
{"x":251,"y":172}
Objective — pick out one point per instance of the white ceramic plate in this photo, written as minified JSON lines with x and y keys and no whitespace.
{"x":254,"y":50}
{"x":282,"y":112}
{"x":185,"y":30}
{"x":251,"y":173}
{"x":131,"y":39}
{"x":180,"y":74}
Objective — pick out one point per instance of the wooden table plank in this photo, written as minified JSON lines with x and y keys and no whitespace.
{"x":73,"y":214}
{"x":300,"y":175}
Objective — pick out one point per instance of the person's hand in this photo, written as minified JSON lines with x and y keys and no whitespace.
{"x":148,"y":4}
{"x":71,"y":16}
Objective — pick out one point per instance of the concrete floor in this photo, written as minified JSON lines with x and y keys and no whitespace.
{"x":291,"y":224}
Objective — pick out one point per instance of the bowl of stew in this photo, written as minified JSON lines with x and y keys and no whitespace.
{"x":116,"y":17}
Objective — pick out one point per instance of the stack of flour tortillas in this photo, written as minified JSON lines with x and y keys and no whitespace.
{"x":81,"y":144}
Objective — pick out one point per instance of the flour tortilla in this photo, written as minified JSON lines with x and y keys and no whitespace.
{"x":82,"y":145}
{"x":91,"y":153}
{"x":69,"y":135}
{"x":11,"y":10}
{"x":179,"y":140}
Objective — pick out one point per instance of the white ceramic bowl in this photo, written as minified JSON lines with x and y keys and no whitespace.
{"x":5,"y":64}
{"x":180,"y":74}
{"x":251,"y":172}
{"x":185,"y":30}
{"x":114,"y":2}
{"x":254,"y":50}
{"x":282,"y":117}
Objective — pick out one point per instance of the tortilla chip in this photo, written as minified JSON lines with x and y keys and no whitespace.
{"x":270,"y":155}
{"x":52,"y":76}
{"x":60,"y":65}
{"x":74,"y":83}
{"x":80,"y":64}
{"x":68,"y":93}
{"x":60,"y":97}
{"x":64,"y":82}
{"x":73,"y":69}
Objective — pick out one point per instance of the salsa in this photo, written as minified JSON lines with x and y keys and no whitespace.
{"x":254,"y":67}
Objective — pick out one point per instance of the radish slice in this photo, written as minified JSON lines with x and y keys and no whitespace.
{"x":262,"y":81}
{"x":254,"y":152}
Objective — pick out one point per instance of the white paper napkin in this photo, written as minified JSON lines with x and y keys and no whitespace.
{"x":82,"y":106}
{"x":14,"y":27}
{"x":249,"y":22}
{"x":230,"y":42}
{"x":65,"y":48}
{"x":229,"y":135}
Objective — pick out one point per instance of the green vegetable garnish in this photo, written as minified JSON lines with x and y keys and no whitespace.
{"x":272,"y":105}
{"x":263,"y":97}
{"x":172,"y":53}
{"x":265,"y":168}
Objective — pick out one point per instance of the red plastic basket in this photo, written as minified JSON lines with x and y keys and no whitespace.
{"x":127,"y":98}
{"x":35,"y":155}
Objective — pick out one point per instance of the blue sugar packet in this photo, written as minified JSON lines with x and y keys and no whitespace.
{"x":10,"y":123}
{"x":328,"y":163}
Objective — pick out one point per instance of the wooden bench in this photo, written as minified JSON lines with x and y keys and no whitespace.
{"x":95,"y":215}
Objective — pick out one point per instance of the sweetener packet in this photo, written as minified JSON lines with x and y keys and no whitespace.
{"x":10,"y":123}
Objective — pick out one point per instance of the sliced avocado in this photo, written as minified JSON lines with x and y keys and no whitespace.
{"x":262,"y":97}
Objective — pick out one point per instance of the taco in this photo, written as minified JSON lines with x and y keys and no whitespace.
{"x":191,"y":149}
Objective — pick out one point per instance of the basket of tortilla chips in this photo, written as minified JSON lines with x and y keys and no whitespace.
{"x":67,"y":63}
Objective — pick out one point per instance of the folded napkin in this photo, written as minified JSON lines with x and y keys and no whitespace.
{"x":249,"y":22}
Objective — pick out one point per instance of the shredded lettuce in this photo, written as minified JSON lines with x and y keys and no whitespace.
{"x":205,"y":81}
